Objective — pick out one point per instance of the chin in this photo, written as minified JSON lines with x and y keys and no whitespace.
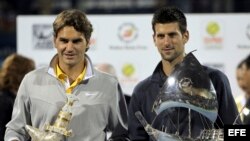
{"x":69,"y":62}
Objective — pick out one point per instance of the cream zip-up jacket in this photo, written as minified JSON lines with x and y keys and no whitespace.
{"x":100,"y":107}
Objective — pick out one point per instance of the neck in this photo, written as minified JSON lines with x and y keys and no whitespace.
{"x":168,"y":66}
{"x":73,"y":71}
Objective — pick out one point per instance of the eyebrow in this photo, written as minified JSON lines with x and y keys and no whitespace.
{"x":73,"y":40}
{"x":169,"y":34}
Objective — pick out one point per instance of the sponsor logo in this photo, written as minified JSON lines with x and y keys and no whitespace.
{"x":42,"y":36}
{"x":127,"y":32}
{"x":240,"y":132}
{"x":128,"y":70}
{"x":213,"y":35}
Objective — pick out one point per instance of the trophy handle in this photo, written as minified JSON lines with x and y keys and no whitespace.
{"x":38,"y":135}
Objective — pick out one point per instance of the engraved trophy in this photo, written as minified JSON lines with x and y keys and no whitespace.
{"x":190,"y":89}
{"x":58,"y":131}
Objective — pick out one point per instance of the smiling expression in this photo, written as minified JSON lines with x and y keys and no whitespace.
{"x":169,"y":40}
{"x":71,"y":46}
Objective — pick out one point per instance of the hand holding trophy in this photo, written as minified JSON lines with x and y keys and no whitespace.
{"x":58,"y":130}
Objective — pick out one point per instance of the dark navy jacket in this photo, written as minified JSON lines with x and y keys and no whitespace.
{"x":145,"y":93}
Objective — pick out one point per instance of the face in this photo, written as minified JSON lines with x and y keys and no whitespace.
{"x":170,"y":41}
{"x":71,"y":46}
{"x":243,"y":79}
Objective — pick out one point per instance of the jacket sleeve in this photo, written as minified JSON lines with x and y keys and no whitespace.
{"x":135,"y":128}
{"x":118,"y":117}
{"x":20,"y":116}
{"x":227,"y":109}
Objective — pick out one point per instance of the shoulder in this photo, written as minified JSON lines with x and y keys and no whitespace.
{"x":143,"y":88}
{"x":38,"y":75}
{"x":38,"y":71}
{"x":144,"y":83}
{"x":220,"y":82}
{"x":215,"y":75}
{"x":104,"y":77}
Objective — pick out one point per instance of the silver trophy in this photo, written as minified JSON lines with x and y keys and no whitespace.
{"x":157,"y":135}
{"x":189,"y":89}
{"x":58,"y":131}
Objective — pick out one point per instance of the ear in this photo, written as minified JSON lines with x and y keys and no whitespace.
{"x":87,"y":46}
{"x":86,"y":49}
{"x":186,"y":36}
{"x":54,"y":41}
{"x":153,"y":37}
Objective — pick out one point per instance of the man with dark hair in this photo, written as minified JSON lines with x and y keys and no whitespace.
{"x":170,"y":35}
{"x":243,"y":79}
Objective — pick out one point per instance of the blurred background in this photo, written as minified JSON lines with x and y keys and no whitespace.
{"x":9,"y":9}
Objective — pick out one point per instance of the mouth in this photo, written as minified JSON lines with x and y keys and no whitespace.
{"x":69,"y":56}
{"x":168,"y":49}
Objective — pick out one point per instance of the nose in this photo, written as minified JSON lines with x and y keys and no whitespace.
{"x":167,"y":40}
{"x":69,"y":45}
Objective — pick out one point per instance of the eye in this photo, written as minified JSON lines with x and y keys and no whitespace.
{"x":63,"y":40}
{"x":172,"y":35}
{"x":160,"y":36}
{"x":77,"y":41}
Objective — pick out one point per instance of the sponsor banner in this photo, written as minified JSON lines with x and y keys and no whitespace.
{"x":125,"y":42}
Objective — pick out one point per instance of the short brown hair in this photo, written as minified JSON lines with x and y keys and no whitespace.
{"x":75,"y":18}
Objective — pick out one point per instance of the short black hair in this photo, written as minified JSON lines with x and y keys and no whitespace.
{"x":170,"y":15}
{"x":245,"y":61}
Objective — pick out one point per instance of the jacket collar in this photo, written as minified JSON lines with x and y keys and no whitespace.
{"x":89,"y":71}
{"x":158,"y":75}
